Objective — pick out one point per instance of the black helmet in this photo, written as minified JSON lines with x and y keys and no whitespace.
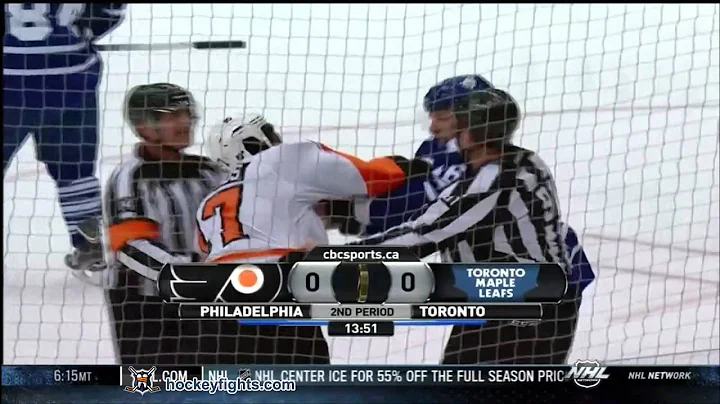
{"x":145,"y":102}
{"x":491,"y":116}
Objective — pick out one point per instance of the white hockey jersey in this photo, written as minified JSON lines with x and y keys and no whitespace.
{"x":271,"y":212}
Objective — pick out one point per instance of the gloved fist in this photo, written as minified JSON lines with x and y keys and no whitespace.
{"x":341,"y":214}
{"x":415,"y":169}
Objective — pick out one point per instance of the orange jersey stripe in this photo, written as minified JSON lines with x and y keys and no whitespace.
{"x":132,"y":229}
{"x":381,"y":175}
{"x":243,"y":256}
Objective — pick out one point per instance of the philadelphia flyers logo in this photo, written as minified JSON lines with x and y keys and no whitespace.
{"x":250,"y":283}
{"x":225,"y":282}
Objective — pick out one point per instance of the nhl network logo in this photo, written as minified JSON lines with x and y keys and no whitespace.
{"x":142,"y":381}
{"x":587,"y":373}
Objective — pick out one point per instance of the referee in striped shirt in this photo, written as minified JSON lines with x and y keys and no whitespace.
{"x":149,"y":207}
{"x":505,"y":210}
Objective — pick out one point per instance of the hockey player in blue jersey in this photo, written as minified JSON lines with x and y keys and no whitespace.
{"x":51,"y":73}
{"x":440,"y":150}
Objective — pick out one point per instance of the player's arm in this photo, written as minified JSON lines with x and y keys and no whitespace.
{"x":397,"y":207}
{"x":134,"y":236}
{"x":99,"y":19}
{"x":405,"y":202}
{"x":325,"y":173}
{"x":321,"y":173}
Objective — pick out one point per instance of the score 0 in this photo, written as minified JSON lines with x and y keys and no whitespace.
{"x":311,"y":282}
{"x":412,"y":282}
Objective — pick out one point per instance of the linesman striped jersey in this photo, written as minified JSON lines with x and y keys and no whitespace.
{"x":150,"y":211}
{"x":508,"y":211}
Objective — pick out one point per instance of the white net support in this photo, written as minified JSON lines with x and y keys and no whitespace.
{"x":621,"y":101}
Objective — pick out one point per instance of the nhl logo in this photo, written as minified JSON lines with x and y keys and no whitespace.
{"x":142,"y":381}
{"x":587,"y":373}
{"x":243,"y":374}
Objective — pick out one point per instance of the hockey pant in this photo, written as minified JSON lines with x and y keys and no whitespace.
{"x":515,"y":342}
{"x":147,"y":331}
{"x":65,"y":131}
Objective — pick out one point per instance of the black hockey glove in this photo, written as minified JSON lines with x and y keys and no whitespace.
{"x":342,"y":212}
{"x":416,"y":169}
{"x":342,"y":215}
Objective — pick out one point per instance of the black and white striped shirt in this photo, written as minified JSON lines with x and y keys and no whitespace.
{"x":150,"y":208}
{"x":508,"y":211}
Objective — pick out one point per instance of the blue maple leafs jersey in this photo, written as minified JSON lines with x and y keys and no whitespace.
{"x":448,"y":167}
{"x":401,"y":205}
{"x":43,"y":39}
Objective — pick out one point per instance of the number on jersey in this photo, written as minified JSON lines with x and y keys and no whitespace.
{"x":226,"y":203}
{"x":33,"y":23}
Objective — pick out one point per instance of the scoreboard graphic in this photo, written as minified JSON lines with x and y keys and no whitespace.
{"x":362,"y":291}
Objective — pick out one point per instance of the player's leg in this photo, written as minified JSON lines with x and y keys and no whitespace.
{"x":67,"y":142}
{"x":280,"y":345}
{"x":141,"y":334}
{"x":210,"y":341}
{"x":226,"y":342}
{"x":505,"y":342}
{"x":147,"y":331}
{"x":15,"y":130}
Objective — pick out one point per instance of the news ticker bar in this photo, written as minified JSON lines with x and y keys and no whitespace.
{"x":361,"y":312}
{"x":327,"y":375}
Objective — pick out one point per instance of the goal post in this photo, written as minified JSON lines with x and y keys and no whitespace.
{"x":621,"y":101}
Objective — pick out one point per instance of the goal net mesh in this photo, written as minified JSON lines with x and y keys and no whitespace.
{"x":621,"y":101}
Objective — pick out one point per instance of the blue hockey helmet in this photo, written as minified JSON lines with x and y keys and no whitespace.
{"x":453,"y":93}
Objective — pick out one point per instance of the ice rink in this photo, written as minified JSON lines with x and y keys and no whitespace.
{"x":621,"y":101}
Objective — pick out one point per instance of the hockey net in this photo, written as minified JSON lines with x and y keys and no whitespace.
{"x":621,"y":101}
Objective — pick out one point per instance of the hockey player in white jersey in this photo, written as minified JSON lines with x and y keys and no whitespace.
{"x":279,"y":200}
{"x":282,"y":197}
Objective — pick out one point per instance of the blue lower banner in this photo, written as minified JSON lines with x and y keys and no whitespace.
{"x":586,"y":380}
{"x":397,"y":323}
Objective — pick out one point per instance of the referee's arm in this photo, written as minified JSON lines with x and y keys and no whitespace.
{"x":134,"y":237}
{"x":446,"y":218}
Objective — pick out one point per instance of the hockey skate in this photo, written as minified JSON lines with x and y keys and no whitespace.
{"x":91,"y":257}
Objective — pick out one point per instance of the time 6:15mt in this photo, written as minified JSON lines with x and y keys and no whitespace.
{"x":72,"y":376}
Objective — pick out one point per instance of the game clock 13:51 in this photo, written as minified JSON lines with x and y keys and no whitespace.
{"x":361,"y":328}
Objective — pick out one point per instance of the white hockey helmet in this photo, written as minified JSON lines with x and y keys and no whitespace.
{"x":233,"y":142}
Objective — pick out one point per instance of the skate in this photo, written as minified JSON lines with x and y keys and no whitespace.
{"x":91,"y":257}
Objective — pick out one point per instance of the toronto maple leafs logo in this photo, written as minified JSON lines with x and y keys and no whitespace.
{"x":469,"y":83}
